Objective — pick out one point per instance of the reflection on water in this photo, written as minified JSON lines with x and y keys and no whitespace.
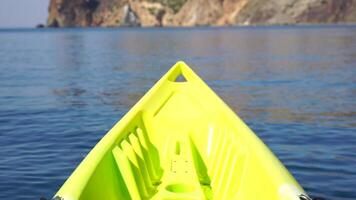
{"x":61,"y":90}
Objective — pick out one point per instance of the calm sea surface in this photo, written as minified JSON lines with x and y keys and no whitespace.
{"x":62,"y":90}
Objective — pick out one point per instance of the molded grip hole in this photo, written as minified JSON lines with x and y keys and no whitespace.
{"x":180,"y":78}
{"x":180,"y":188}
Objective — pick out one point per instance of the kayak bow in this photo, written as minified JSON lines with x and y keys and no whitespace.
{"x":181,"y":141}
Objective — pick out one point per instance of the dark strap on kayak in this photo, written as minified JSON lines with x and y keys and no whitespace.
{"x":305,"y":197}
{"x":55,"y":198}
{"x":58,"y":198}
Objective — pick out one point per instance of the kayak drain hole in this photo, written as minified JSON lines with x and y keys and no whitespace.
{"x":177,"y":148}
{"x":180,"y":188}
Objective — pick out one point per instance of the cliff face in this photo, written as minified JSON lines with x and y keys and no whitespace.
{"x":111,"y":13}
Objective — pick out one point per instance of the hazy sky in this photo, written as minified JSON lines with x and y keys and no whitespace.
{"x":23,"y":13}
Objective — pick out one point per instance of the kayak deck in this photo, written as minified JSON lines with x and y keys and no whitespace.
{"x":181,"y":176}
{"x":180,"y":141}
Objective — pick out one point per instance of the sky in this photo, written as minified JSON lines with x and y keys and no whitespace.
{"x":23,"y":13}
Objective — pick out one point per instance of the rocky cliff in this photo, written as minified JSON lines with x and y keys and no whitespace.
{"x":112,"y":13}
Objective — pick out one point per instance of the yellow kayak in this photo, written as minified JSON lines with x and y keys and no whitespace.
{"x":181,"y":141}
